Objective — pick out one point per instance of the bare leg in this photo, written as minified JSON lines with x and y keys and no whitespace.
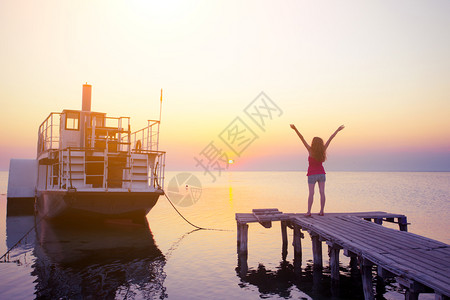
{"x":322,"y":196}
{"x":310,"y":198}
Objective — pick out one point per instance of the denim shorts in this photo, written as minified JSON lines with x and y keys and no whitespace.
{"x":312,"y":179}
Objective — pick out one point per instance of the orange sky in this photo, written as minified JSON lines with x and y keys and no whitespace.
{"x":381,"y":68}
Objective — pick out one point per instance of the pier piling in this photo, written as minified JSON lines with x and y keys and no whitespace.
{"x":333,"y":252}
{"x":366,"y":275}
{"x":284,"y":239}
{"x":243,"y":238}
{"x":402,"y":224}
{"x":297,"y":242}
{"x":317,"y":250}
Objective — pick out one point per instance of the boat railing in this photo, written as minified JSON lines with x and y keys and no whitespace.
{"x":93,"y":169}
{"x":48,"y":134}
{"x":147,"y":138}
{"x":156,"y":176}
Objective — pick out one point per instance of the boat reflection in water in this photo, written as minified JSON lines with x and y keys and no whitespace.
{"x":16,"y":228}
{"x":93,"y":261}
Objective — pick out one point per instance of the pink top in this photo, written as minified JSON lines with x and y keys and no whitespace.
{"x":315,"y":167}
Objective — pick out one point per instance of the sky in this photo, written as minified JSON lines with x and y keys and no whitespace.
{"x":381,"y":68}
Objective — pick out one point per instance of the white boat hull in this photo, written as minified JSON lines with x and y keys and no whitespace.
{"x":96,"y":204}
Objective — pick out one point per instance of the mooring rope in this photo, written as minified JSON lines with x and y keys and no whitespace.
{"x":193,"y":225}
{"x":190,"y":223}
{"x":6,"y":255}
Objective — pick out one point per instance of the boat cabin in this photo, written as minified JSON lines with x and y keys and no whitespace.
{"x":81,"y":149}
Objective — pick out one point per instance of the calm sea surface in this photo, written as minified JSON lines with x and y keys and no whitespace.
{"x":166,"y":258}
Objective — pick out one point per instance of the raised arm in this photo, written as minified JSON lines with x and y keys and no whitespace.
{"x":333,"y":135}
{"x":301,"y":137}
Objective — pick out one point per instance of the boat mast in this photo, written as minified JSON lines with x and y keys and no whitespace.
{"x":160,"y":107}
{"x":159,"y":122}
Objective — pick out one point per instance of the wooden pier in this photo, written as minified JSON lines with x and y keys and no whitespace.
{"x":419,"y":264}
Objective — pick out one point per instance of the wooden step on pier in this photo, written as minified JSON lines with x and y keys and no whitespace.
{"x":419,"y":264}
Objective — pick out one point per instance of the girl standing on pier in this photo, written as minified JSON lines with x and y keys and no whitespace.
{"x":316,"y":172}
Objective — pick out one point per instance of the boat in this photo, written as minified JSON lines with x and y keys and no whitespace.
{"x":92,"y":165}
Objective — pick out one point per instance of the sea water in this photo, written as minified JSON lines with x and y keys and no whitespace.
{"x":168,"y":258}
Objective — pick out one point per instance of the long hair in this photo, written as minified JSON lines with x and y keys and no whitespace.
{"x":318,"y":149}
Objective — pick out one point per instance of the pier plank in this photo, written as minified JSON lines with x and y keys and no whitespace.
{"x":391,"y":238}
{"x":402,"y":253}
{"x":411,"y":236}
{"x":419,"y":266}
{"x":356,"y":237}
{"x":380,"y":244}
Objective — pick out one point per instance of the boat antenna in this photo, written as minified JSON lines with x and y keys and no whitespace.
{"x":159,"y":122}
{"x":160,"y":106}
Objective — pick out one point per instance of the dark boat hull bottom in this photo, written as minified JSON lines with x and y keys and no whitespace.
{"x":95,"y":205}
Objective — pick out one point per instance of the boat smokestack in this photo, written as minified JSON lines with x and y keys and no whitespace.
{"x":87,"y":90}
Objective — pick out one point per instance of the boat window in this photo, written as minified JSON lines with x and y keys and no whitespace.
{"x":72,"y":120}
